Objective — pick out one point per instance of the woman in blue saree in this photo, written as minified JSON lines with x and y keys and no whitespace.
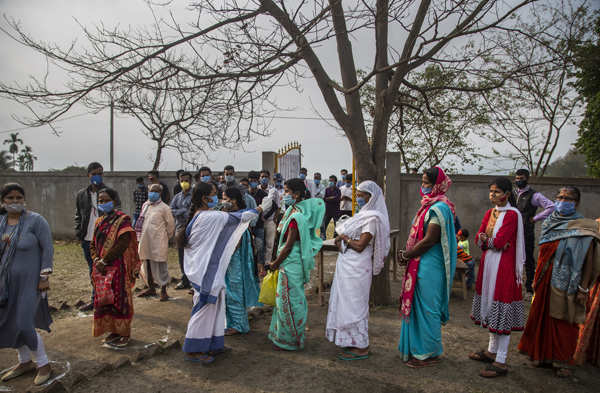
{"x":295,"y":259}
{"x":240,"y":279}
{"x":431,"y":256}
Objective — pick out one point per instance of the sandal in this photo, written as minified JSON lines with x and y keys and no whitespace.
{"x":110,"y":338}
{"x":18,"y":370}
{"x":202,"y":359}
{"x":41,"y":378}
{"x":491,"y":368}
{"x":481,"y":357}
{"x":416,"y":363}
{"x":352,"y":356}
{"x":121,"y":342}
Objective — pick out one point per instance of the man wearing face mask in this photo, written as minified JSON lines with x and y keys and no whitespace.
{"x":346,"y":193}
{"x":342,"y":181}
{"x":154,"y":229}
{"x":302,"y":176}
{"x":317,"y":189}
{"x":528,"y":201}
{"x":86,"y":213}
{"x":180,"y":208}
{"x":229,"y":173}
{"x":154,"y":178}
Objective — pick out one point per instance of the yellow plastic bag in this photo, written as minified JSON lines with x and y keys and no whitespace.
{"x":268,"y":288}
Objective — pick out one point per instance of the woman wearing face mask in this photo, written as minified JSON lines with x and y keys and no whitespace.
{"x":154,"y":228}
{"x":241,"y":281}
{"x":26,"y":253}
{"x":114,"y":250}
{"x":567,"y":269}
{"x":498,"y":300}
{"x":364,"y":243}
{"x":298,"y":245}
{"x":210,"y":240}
{"x":431,"y":257}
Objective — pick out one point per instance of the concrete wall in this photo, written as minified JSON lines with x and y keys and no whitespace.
{"x":470,"y":195}
{"x":52,"y":194}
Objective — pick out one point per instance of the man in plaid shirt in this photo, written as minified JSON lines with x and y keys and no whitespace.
{"x":140,"y":195}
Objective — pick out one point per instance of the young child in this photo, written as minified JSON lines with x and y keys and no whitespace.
{"x":464,"y":254}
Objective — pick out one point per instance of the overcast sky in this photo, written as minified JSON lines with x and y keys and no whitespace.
{"x":85,"y":138}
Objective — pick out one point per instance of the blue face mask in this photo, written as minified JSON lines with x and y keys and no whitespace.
{"x":279,"y":184}
{"x":205,"y":179}
{"x":302,"y":176}
{"x":229,"y":178}
{"x":96,"y":180}
{"x":565,"y":208}
{"x":426,"y":190}
{"x":331,"y":184}
{"x":317,"y":181}
{"x":288,"y":200}
{"x":360,"y":201}
{"x":141,"y":186}
{"x":106,"y":207}
{"x":264,"y":181}
{"x":153,"y":196}
{"x":253,"y":184}
{"x":213,"y":202}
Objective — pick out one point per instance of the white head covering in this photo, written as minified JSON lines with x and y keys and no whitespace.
{"x":374,"y":208}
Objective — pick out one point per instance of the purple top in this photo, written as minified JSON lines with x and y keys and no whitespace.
{"x":333,"y":195}
{"x":539,"y":200}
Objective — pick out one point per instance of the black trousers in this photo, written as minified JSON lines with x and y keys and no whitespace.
{"x":529,"y":261}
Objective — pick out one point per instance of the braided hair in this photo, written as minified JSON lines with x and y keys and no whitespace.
{"x":200,"y":191}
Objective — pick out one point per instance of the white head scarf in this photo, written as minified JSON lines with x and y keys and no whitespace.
{"x":374,"y":208}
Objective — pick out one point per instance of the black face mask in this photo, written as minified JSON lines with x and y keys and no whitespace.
{"x":521,"y":183}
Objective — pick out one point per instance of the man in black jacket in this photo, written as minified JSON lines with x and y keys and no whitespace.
{"x":86,"y":213}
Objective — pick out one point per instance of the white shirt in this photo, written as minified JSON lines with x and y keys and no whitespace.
{"x":346,"y":191}
{"x":93,"y":217}
{"x":316,"y":191}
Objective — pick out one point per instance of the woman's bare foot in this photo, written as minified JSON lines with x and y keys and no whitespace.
{"x":231,"y":332}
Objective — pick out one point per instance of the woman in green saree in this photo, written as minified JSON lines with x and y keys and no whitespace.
{"x":295,"y":259}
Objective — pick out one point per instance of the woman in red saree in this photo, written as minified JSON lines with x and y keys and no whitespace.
{"x":116,"y":266}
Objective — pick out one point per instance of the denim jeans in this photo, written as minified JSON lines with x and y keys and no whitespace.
{"x":85,"y":246}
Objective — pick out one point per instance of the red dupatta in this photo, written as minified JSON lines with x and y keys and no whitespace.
{"x":438,"y":194}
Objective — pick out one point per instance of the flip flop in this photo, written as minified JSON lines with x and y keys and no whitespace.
{"x":14,"y":373}
{"x":353,"y":356}
{"x":499,"y":371}
{"x":481,"y":357}
{"x":205,"y":359}
{"x":416,"y":363}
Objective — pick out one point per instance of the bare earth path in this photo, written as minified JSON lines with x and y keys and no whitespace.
{"x":154,"y":361}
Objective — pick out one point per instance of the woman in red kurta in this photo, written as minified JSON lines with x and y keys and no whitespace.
{"x":498,"y":300}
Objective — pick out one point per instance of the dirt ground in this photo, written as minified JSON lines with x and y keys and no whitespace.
{"x":252,"y":366}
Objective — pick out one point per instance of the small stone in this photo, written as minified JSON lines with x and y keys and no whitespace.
{"x":169,"y":345}
{"x":121,"y":362}
{"x":79,"y":304}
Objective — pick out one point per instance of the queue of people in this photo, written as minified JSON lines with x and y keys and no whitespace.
{"x":230,"y":233}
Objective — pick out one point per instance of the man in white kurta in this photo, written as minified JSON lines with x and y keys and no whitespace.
{"x":158,"y":226}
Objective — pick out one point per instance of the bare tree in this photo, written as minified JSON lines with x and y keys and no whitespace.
{"x":251,"y":47}
{"x":529,"y":114}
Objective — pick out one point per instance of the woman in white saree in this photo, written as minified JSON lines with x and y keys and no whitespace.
{"x":364,"y":243}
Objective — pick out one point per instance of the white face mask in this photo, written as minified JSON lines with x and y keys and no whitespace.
{"x":14,"y":207}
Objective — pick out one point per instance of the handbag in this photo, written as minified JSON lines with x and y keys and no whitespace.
{"x":268,"y":288}
{"x":103,"y":287}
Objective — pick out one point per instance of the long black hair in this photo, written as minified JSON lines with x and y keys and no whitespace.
{"x":505,"y":185}
{"x":6,"y":189}
{"x":235,"y":194}
{"x":297,"y":186}
{"x":200,"y":191}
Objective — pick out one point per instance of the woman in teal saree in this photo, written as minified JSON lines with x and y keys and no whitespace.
{"x":431,"y":256}
{"x":295,"y":259}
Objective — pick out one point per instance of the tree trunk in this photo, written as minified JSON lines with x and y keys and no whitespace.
{"x":159,"y":149}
